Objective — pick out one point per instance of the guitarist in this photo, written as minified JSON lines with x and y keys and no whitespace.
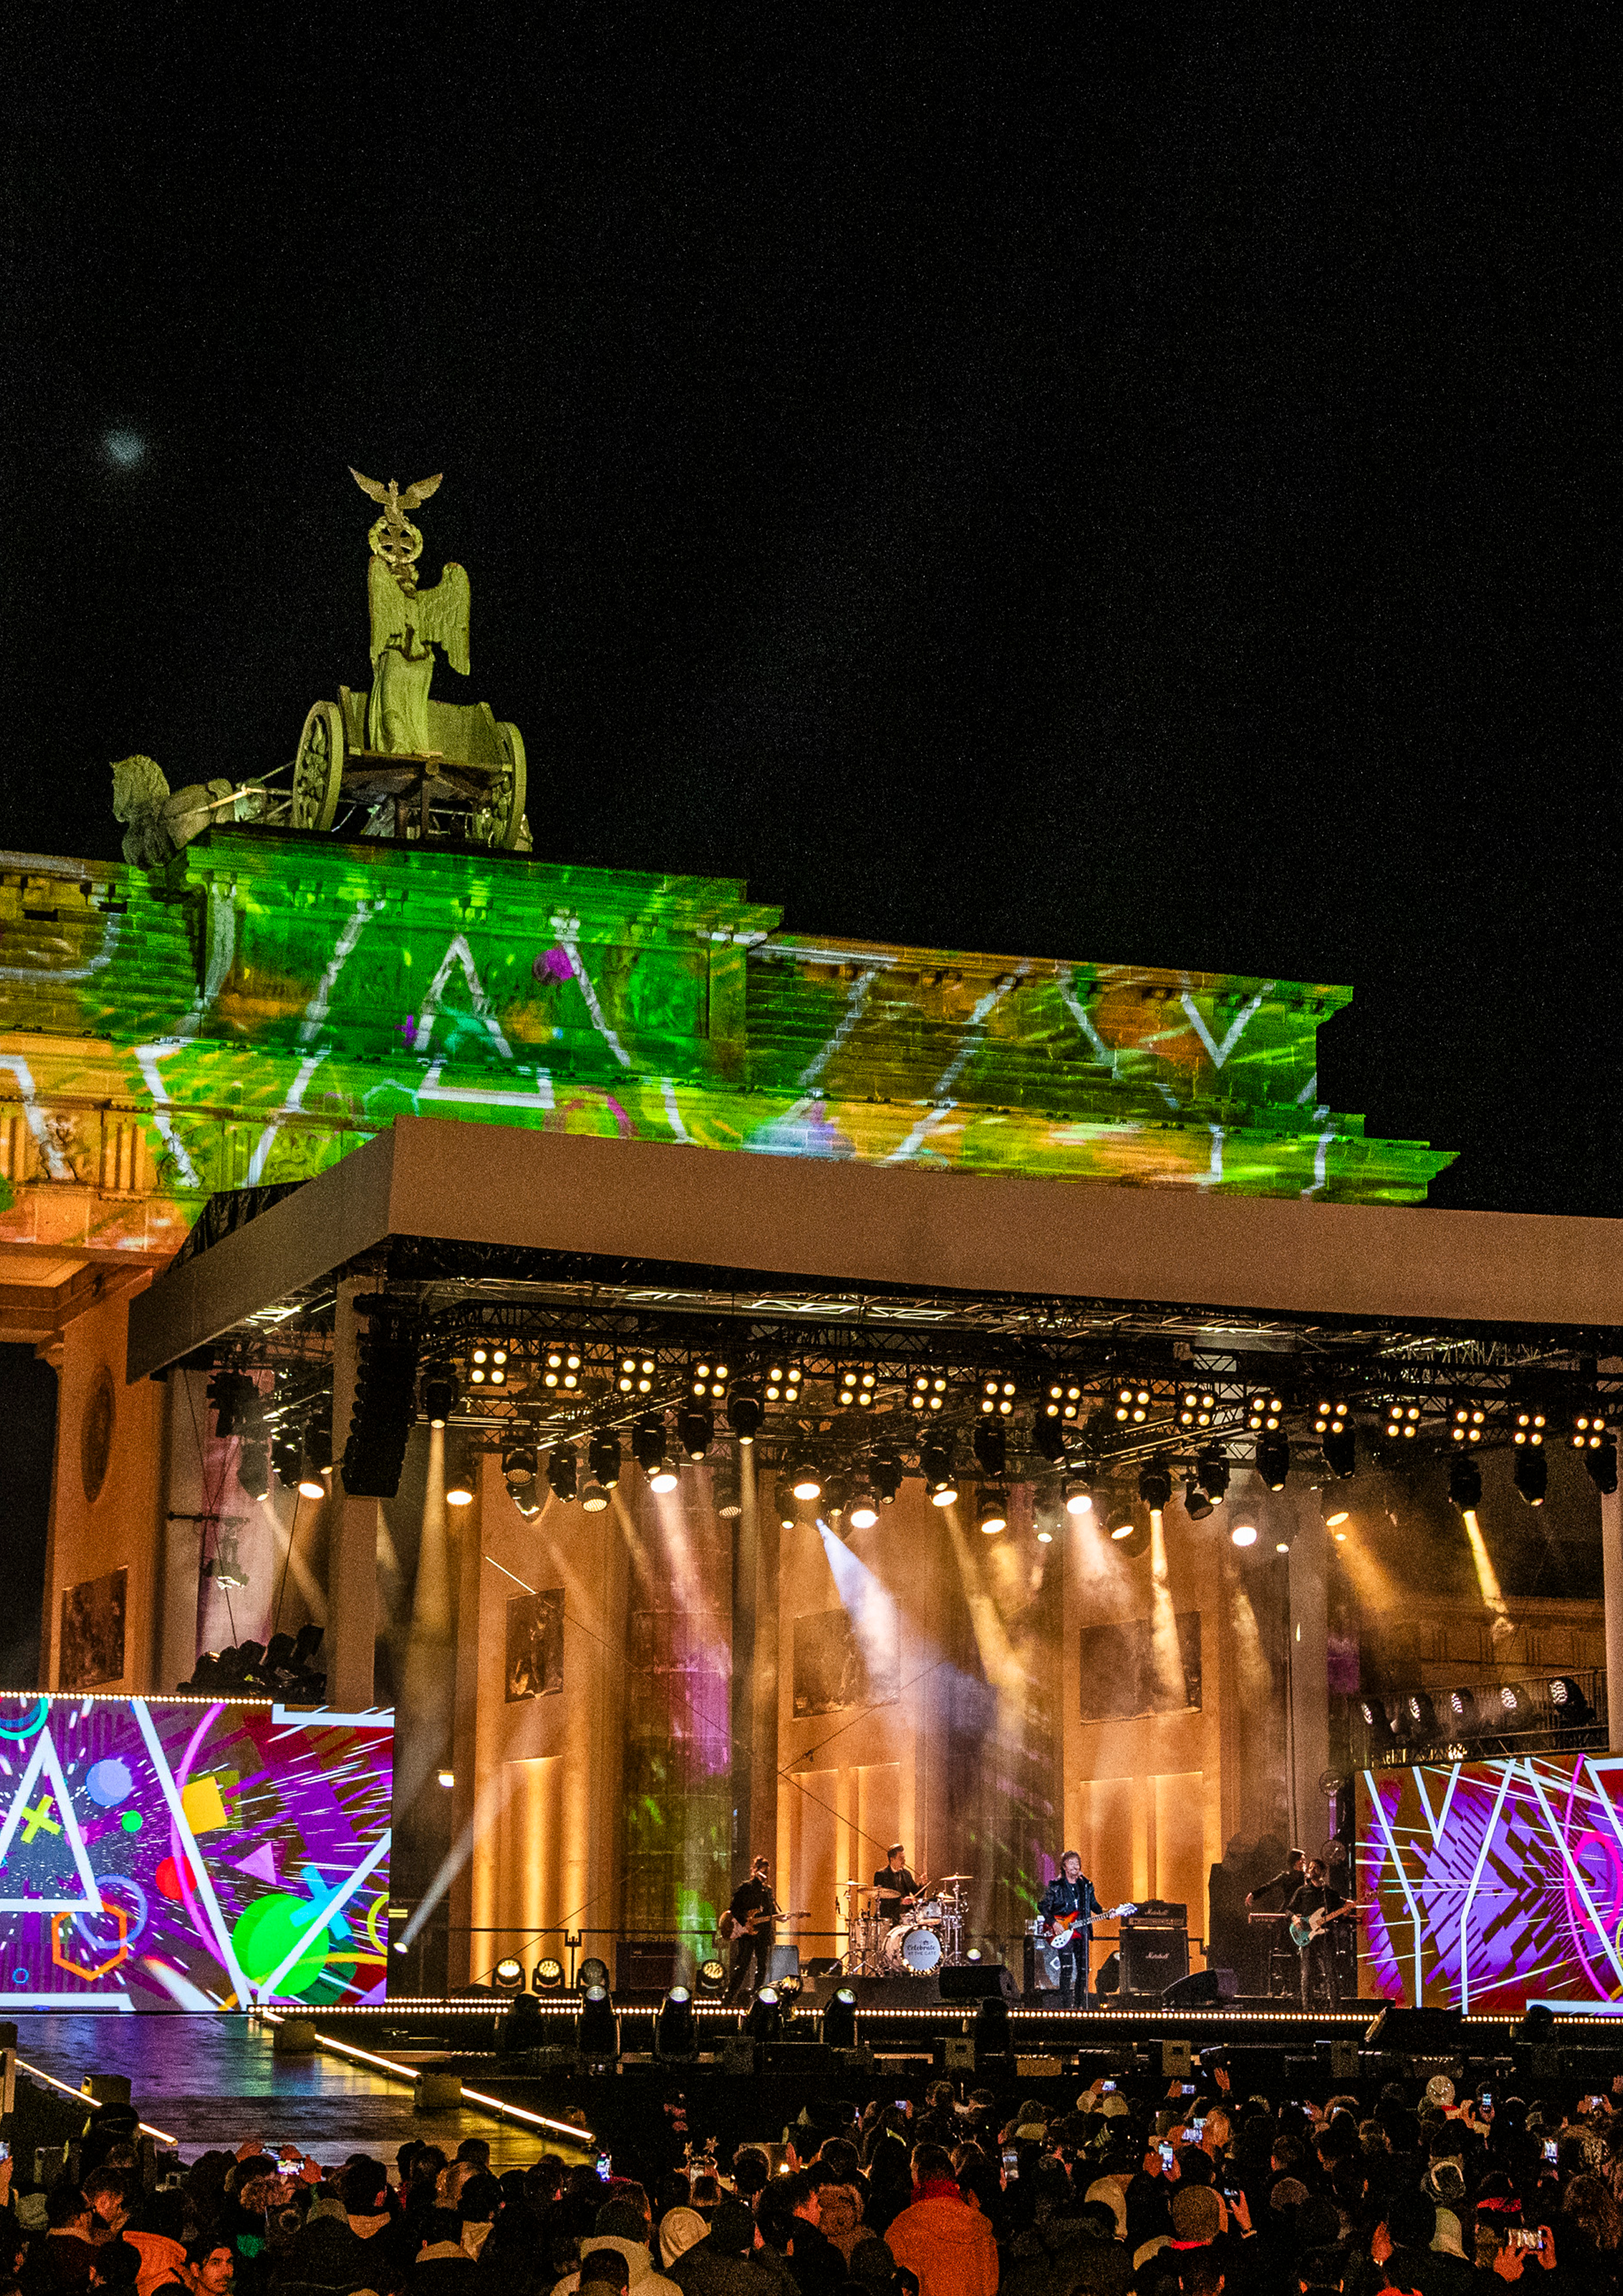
{"x":747,"y":1928}
{"x":1068,"y":1905}
{"x":1320,"y":1971}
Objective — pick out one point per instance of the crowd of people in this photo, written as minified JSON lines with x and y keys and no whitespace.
{"x":1128,"y":2192}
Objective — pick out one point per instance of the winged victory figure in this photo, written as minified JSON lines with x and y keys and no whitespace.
{"x":407,"y":623}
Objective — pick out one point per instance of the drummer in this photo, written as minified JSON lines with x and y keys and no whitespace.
{"x":898,"y":1889}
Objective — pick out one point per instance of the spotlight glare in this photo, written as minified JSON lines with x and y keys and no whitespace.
{"x":993,"y":1513}
{"x":1079,"y":1499}
{"x":1244,"y":1534}
{"x":864,"y":1513}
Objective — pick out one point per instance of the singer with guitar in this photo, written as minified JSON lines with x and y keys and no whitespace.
{"x":1312,"y":1910}
{"x":1068,"y":1905}
{"x":746,"y":1929}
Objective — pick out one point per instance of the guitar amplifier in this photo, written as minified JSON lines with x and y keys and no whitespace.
{"x":646,"y":1965}
{"x":1154,"y":1954}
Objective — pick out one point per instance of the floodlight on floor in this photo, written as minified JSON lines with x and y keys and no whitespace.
{"x":593,"y":1971}
{"x":459,"y":1480}
{"x":1530,"y":1473}
{"x":764,"y":2021}
{"x":597,"y":2033}
{"x":676,"y":2031}
{"x":837,"y":2028}
{"x":508,"y":1975}
{"x":712,"y":1978}
{"x":547,"y":1976}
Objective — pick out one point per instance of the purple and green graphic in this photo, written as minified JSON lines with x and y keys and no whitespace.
{"x":1493,"y":1885}
{"x":190,"y":1856}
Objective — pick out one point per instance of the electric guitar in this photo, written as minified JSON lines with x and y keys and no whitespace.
{"x":729,"y":1928}
{"x":1064,"y":1926}
{"x":1303,"y":1932}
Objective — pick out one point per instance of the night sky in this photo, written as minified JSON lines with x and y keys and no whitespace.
{"x":989,"y":488}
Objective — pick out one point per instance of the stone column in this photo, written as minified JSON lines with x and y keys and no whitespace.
{"x":352,"y":1540}
{"x":1308,"y":1652}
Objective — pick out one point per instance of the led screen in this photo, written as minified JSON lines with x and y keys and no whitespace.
{"x":1490,"y":1885}
{"x":167,"y":1855}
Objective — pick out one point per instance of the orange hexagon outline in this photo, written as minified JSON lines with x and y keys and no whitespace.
{"x":103,"y":1969}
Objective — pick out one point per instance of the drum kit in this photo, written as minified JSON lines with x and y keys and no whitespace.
{"x":929,"y":1935}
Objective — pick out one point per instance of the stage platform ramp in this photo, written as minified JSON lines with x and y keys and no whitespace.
{"x":215,"y":2080}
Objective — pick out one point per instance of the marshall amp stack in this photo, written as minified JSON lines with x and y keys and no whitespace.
{"x":1152,"y":1941}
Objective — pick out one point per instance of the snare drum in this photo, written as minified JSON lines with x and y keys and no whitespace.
{"x":911,"y":1951}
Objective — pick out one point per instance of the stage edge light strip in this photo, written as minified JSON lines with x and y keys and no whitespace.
{"x":89,"y":2102}
{"x":498,"y":2105}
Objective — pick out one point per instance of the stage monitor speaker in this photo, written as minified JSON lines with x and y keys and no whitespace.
{"x":786,"y":1961}
{"x":1202,"y":1989}
{"x":1177,"y":2059}
{"x":978,"y":1981}
{"x":896,"y":1992}
{"x":1418,"y":2032}
{"x":1344,"y":2056}
{"x":1152,"y":1958}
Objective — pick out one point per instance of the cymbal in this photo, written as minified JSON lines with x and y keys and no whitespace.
{"x":862,"y":1888}
{"x":954,"y":1877}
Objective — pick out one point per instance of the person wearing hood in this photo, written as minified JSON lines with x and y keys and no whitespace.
{"x":943,"y":2237}
{"x":621,"y":2224}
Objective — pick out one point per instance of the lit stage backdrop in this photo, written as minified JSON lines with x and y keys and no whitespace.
{"x":1494,"y":1884}
{"x":170,"y":1855}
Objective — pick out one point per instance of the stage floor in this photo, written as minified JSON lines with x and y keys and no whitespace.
{"x":214,"y":2080}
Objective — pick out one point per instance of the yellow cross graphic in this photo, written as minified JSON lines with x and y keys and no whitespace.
{"x":38,"y":1820}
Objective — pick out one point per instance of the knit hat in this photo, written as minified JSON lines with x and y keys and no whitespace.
{"x":732,"y":2229}
{"x":679,"y":2228}
{"x":1197,"y":2213}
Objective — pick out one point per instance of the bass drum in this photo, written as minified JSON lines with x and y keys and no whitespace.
{"x":911,"y":1951}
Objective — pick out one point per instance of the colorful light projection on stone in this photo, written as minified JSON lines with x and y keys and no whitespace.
{"x":1493,"y":1885}
{"x":274,"y":1000}
{"x":190,"y":1856}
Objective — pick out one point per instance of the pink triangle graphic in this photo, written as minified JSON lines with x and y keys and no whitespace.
{"x":261,"y":1864}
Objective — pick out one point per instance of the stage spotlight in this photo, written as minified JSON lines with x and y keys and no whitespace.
{"x":764,"y":2021}
{"x":992,"y":1512}
{"x":1376,"y":1722}
{"x":254,"y":1470}
{"x":1197,"y":1507}
{"x":593,"y":1499}
{"x":1464,"y":1480}
{"x":508,"y":1976}
{"x":1530,"y":1472}
{"x":459,"y":1480}
{"x":1517,"y":1710}
{"x":1600,"y":1466}
{"x":707,"y":1380}
{"x":990,"y":1445}
{"x":1211,"y":1468}
{"x":1468,"y":1423}
{"x":992,"y":2029}
{"x":635,"y":1374}
{"x":312,"y":1484}
{"x":488,"y":1367}
{"x":597,"y":2033}
{"x":1526,"y":1427}
{"x":648,"y":1448}
{"x":744,"y":1409}
{"x":562,"y":1368}
{"x":1333,"y":1511}
{"x":859,"y":1387}
{"x":1062,"y":1400}
{"x":235,"y":1401}
{"x":593,"y":1971}
{"x":440,"y":1393}
{"x":838,"y":2027}
{"x":1264,"y":1412}
{"x":788,"y":1991}
{"x":1132,"y":1406}
{"x":603,"y":1458}
{"x":676,"y":2033}
{"x":1340,"y":1449}
{"x":1420,"y":1715}
{"x":997,"y":1396}
{"x":1197,"y":1407}
{"x":1573,"y":1708}
{"x":548,"y":1974}
{"x":286,"y":1457}
{"x":712,"y":1978}
{"x":805,"y":1479}
{"x":1274,"y":1460}
{"x":1079,"y":1499}
{"x":974,"y":1956}
{"x":519,"y":1465}
{"x":1402,"y":1421}
{"x":886,"y":1471}
{"x":782,"y":1385}
{"x":1048,"y":1439}
{"x":695,"y":1428}
{"x":725,"y":1487}
{"x":563,"y":1472}
{"x":447,"y":1779}
{"x":864,"y":1511}
{"x":1588,"y":1431}
{"x":928,"y":1391}
{"x":836,"y":1498}
{"x":1281,"y":1546}
{"x":1154,"y":1487}
{"x":1244,"y":1534}
{"x":1132,"y":1538}
{"x":935,"y":1465}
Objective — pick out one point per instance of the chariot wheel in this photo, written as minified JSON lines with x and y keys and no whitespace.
{"x":318,"y":769}
{"x":507,"y":794}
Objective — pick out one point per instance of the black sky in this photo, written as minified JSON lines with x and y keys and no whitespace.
{"x":989,"y":483}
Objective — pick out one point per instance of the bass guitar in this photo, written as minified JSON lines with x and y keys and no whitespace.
{"x":729,"y":1928}
{"x":1304,"y":1931}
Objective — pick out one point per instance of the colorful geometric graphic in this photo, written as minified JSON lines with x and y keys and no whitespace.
{"x":1494,"y":1884}
{"x":148,"y":1852}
